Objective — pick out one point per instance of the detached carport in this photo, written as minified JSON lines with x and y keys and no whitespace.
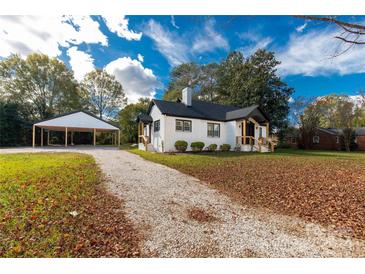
{"x":77,"y":121}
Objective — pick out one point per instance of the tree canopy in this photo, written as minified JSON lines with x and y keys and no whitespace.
{"x":128,"y":119}
{"x":236,"y":81}
{"x":104,"y":94}
{"x":43,"y":85}
{"x":333,"y":111}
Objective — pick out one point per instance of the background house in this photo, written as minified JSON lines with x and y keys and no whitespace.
{"x":332,"y":139}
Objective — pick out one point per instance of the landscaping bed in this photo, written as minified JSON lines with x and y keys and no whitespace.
{"x":55,"y":205}
{"x":322,"y":187}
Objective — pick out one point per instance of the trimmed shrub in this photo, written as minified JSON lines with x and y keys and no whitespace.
{"x":197,"y":146}
{"x":225,"y":147}
{"x":212,"y":147}
{"x":181,"y":145}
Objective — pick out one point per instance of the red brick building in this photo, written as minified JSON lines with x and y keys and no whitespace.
{"x":360,"y":138}
{"x":331,"y":139}
{"x":327,"y":138}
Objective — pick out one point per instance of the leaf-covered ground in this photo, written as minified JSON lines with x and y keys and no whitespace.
{"x":322,"y":187}
{"x":55,"y":205}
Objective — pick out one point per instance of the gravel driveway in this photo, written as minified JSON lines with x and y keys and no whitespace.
{"x":158,"y":200}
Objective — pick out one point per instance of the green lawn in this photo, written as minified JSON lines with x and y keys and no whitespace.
{"x":319,"y":186}
{"x":37,"y":194}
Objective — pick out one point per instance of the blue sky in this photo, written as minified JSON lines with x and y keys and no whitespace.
{"x":141,"y":50}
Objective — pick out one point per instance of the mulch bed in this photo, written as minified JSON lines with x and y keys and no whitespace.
{"x":329,"y":191}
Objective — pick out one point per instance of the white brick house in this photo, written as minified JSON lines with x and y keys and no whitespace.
{"x":190,"y":120}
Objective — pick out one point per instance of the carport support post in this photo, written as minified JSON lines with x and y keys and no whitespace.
{"x":41,"y":136}
{"x":66,"y":137}
{"x":118,"y":138}
{"x":48,"y":137}
{"x":33,"y":137}
{"x":94,"y":137}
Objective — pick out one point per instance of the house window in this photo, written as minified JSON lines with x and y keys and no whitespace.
{"x":293,"y":140}
{"x":260,"y":132}
{"x":156,"y":126}
{"x":316,"y":139}
{"x":214,"y":130}
{"x":183,"y":125}
{"x":337,"y":139}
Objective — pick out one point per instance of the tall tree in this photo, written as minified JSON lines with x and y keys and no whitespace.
{"x":208,"y":79}
{"x":103,"y":93}
{"x":14,"y":129}
{"x":297,"y":108}
{"x":236,"y":81}
{"x":182,"y":76}
{"x":43,"y":84}
{"x":128,"y":117}
{"x":255,"y":81}
{"x":335,"y":111}
{"x":309,"y":121}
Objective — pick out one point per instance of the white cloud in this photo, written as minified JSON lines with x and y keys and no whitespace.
{"x":254,"y":41}
{"x":167,"y":43}
{"x":209,"y":40}
{"x":26,"y":34}
{"x":140,"y":57}
{"x":119,"y":25}
{"x":179,"y":49}
{"x":301,"y":27}
{"x":312,"y":54}
{"x":136,"y":80}
{"x":173,"y":23}
{"x":81,"y":62}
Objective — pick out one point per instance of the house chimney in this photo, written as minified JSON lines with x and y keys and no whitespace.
{"x":187,"y":94}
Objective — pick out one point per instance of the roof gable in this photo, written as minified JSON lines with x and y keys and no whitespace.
{"x":77,"y":119}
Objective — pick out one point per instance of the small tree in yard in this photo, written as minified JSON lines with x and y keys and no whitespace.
{"x":309,"y":121}
{"x":344,"y":119}
{"x":331,"y":111}
{"x":103,"y":93}
{"x":128,"y":117}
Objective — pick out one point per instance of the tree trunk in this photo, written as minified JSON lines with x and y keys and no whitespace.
{"x":347,"y":138}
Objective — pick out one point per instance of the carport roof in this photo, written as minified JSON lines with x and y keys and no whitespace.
{"x":77,"y":119}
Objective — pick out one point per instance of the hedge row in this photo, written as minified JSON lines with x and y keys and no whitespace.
{"x":182,"y":145}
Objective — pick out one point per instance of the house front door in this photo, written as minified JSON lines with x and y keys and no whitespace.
{"x":250,"y":129}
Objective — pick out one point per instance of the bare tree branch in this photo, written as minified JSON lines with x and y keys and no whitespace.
{"x":335,"y":21}
{"x":350,"y":41}
{"x":351,"y":33}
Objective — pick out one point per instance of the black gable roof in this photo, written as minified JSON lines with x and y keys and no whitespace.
{"x":205,"y":110}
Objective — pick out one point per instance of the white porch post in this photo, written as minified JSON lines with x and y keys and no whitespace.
{"x":33,"y":137}
{"x":48,"y":137}
{"x":118,"y":137}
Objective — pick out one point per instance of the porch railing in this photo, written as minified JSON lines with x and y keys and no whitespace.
{"x":269,"y":143}
{"x":145,"y":140}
